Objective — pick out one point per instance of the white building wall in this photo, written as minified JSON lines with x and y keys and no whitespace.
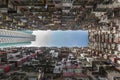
{"x":7,"y":36}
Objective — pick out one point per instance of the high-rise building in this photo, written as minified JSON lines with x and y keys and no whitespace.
{"x":99,"y":61}
{"x":8,"y":37}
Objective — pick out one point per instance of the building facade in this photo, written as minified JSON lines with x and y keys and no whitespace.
{"x":15,"y":37}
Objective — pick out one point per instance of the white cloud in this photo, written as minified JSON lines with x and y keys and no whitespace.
{"x":59,"y":38}
{"x":42,"y":38}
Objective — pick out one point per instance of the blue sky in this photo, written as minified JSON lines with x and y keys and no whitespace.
{"x":69,"y":38}
{"x":60,"y":38}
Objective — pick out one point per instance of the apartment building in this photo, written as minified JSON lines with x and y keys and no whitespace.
{"x":8,"y":37}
